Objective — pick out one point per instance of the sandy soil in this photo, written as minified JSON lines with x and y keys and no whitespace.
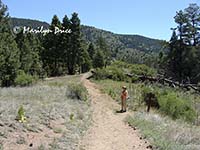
{"x":108,"y":130}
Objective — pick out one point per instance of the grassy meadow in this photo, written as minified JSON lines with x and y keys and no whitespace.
{"x":57,"y":114}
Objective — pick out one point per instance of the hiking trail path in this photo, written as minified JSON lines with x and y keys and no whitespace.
{"x":108,"y":130}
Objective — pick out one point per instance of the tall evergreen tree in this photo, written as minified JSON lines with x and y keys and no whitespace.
{"x":98,"y":61}
{"x":75,"y":44}
{"x":91,"y":50}
{"x":29,"y":48}
{"x":181,"y":20}
{"x":193,"y":25}
{"x":65,"y":42}
{"x":53,"y":52}
{"x":9,"y":53}
{"x":102,"y":46}
{"x":36,"y":46}
{"x":86,"y":63}
{"x":182,"y":58}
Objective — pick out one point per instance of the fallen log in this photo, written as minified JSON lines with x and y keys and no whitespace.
{"x":160,"y":79}
{"x":163,"y":80}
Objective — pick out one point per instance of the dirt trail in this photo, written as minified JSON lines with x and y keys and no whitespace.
{"x":108,"y":131}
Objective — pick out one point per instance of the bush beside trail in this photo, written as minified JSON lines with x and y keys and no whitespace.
{"x":117,"y":70}
{"x":172,"y":103}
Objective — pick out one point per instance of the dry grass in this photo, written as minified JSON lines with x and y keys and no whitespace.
{"x":166,"y":134}
{"x":47,"y":109}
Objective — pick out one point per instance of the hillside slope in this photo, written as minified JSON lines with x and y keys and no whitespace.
{"x":91,"y":34}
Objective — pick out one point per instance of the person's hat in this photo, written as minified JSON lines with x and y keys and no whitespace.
{"x":124,"y":87}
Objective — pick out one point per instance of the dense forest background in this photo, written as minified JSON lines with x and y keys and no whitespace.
{"x":129,"y":48}
{"x":25,"y":57}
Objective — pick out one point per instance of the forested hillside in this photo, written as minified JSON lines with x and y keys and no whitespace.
{"x":121,"y":40}
{"x":91,"y":34}
{"x":28,"y":23}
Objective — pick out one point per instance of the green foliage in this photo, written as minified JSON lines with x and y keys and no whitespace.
{"x":172,"y":103}
{"x":28,"y":23}
{"x":129,"y":48}
{"x":63,"y":52}
{"x":71,"y":116}
{"x":176,"y":107}
{"x":19,"y":52}
{"x":98,"y":61}
{"x":141,"y":69}
{"x":21,"y":115}
{"x":24,"y":79}
{"x":182,"y":61}
{"x":110,"y":73}
{"x":86,"y":63}
{"x":146,"y":90}
{"x":117,"y":70}
{"x":91,"y":50}
{"x":9,"y":53}
{"x":103,"y":47}
{"x":29,"y":47}
{"x":75,"y":44}
{"x":51,"y":55}
{"x":114,"y":41}
{"x":77,"y":91}
{"x":138,"y":69}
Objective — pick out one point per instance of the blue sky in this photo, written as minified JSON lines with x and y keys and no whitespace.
{"x":151,"y":18}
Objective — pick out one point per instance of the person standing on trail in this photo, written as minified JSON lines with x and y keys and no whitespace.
{"x":124,"y":97}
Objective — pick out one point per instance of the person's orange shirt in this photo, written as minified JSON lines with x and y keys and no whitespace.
{"x":124,"y":94}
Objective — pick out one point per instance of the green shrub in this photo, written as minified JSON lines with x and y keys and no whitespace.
{"x":120,"y":64}
{"x":77,"y":91}
{"x":146,"y":90}
{"x":71,"y":117}
{"x":24,"y":79}
{"x":21,"y":115}
{"x":141,"y":69}
{"x":117,"y":74}
{"x":101,"y":74}
{"x":171,"y":103}
{"x":110,"y":72}
{"x":134,"y":79}
{"x":176,"y":107}
{"x":117,"y":71}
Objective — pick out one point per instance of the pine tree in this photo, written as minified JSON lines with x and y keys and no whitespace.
{"x":102,"y":46}
{"x":98,"y":61}
{"x":193,"y":25}
{"x":25,"y":52}
{"x":75,"y":50}
{"x":65,"y":42}
{"x":9,"y":53}
{"x":52,"y":54}
{"x":91,"y":50}
{"x":29,"y":47}
{"x":86,"y":61}
{"x":181,"y":20}
{"x":182,"y":58}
